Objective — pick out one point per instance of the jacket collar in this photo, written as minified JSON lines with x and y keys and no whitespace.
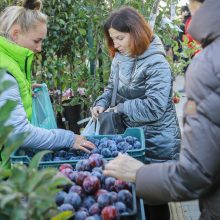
{"x":21,"y":55}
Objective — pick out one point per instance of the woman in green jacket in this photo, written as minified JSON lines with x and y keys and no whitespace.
{"x":22,"y":30}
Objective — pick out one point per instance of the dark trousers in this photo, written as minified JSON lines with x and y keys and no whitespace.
{"x":157,"y":212}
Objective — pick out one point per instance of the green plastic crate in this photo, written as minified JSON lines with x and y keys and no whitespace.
{"x":139,"y":154}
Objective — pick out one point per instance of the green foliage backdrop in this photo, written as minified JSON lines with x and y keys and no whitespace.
{"x":74,"y":53}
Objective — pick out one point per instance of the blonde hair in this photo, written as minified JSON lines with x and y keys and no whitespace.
{"x":26,"y":14}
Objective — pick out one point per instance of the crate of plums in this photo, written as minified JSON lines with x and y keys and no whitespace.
{"x":91,"y":195}
{"x":131,"y":142}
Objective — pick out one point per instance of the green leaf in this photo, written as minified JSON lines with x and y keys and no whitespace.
{"x":82,"y":31}
{"x":5,"y":131}
{"x":4,"y":173}
{"x":63,"y":215}
{"x":19,"y":176}
{"x":40,"y":177}
{"x":59,"y":181}
{"x":12,"y":144}
{"x":10,"y":198}
{"x":37,"y":158}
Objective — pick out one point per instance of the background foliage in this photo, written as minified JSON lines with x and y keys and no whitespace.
{"x":74,"y":53}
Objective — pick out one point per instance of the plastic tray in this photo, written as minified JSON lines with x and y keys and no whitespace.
{"x":139,"y":154}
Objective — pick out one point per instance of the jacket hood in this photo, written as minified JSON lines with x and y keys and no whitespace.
{"x":156,"y":47}
{"x":205,"y":24}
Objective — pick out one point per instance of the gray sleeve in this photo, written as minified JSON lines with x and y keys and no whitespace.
{"x":158,"y":85}
{"x":37,"y":138}
{"x":197,"y":170}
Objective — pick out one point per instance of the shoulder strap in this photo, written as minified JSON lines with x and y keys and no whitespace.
{"x":115,"y":88}
{"x":116,"y":81}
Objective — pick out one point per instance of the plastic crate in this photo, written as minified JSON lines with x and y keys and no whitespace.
{"x":139,"y":154}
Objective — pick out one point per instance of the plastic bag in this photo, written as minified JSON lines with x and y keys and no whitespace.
{"x":42,"y":111}
{"x":92,"y":128}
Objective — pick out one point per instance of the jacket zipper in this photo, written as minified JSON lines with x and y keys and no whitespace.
{"x":133,"y":69}
{"x":26,"y":63}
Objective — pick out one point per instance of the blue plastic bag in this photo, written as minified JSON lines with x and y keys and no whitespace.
{"x":42,"y":111}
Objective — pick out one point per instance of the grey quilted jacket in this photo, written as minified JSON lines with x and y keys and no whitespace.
{"x":145,"y":99}
{"x":197,"y":174}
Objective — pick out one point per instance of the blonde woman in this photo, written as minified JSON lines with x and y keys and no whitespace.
{"x":22,"y":30}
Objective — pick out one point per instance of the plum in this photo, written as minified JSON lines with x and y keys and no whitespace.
{"x":97,"y":174}
{"x":80,"y":178}
{"x":114,"y":197}
{"x":120,"y":184}
{"x":126,"y":197}
{"x":137,"y":144}
{"x":60,"y":197}
{"x":77,"y":189}
{"x":88,"y":201}
{"x":115,"y":153}
{"x":121,"y":207}
{"x":106,"y":152}
{"x":81,"y":215}
{"x":66,"y":207}
{"x":91,"y":184}
{"x":117,"y":138}
{"x":73,"y":199}
{"x":96,"y":160}
{"x":110,"y":183}
{"x":83,"y":165}
{"x":94,"y":209}
{"x":100,"y":192}
{"x":109,"y":213}
{"x":129,"y":139}
{"x":104,"y":200}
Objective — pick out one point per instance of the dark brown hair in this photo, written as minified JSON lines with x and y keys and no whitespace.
{"x":197,"y":1}
{"x":128,"y":20}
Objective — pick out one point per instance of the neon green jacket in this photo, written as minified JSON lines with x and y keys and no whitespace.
{"x":17,"y":61}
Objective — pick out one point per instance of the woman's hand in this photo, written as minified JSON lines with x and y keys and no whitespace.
{"x":95,"y":111}
{"x":82,"y":144}
{"x":123,"y":167}
{"x":34,"y":86}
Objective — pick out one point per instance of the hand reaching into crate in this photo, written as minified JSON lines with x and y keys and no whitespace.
{"x":82,"y":144}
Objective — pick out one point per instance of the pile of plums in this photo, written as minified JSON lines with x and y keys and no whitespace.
{"x":93,"y":196}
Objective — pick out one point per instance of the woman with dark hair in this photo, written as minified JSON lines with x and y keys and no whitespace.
{"x":144,"y":96}
{"x":197,"y":173}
